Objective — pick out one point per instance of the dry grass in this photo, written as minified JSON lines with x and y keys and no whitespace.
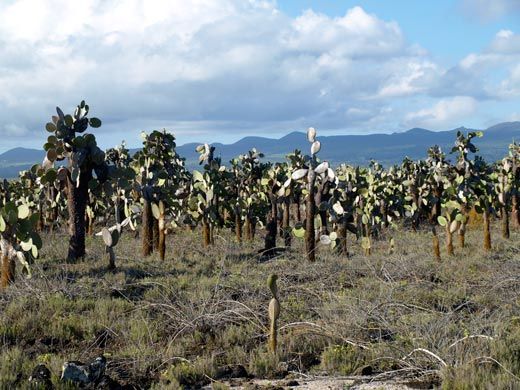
{"x":185,"y":321}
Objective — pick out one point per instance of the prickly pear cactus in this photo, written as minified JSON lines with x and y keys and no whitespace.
{"x":68,"y":141}
{"x":18,"y":239}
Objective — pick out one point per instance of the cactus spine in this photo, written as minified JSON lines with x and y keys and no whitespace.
{"x":274,"y":312}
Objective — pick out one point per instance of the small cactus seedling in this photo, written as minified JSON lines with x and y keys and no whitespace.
{"x":111,"y":237}
{"x":274,"y":313}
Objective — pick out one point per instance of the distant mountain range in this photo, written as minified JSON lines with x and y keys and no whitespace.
{"x":354,"y":149}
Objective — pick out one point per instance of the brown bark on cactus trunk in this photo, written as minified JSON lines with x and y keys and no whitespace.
{"x":111,"y":256}
{"x":436,"y":245}
{"x":342,"y":237}
{"x":310,"y":239}
{"x":155,"y":234}
{"x":206,"y":233}
{"x":449,"y":241}
{"x":90,"y":226}
{"x":8,"y":270}
{"x":162,"y":244}
{"x":238,"y":226}
{"x":505,"y":222}
{"x":247,"y":228}
{"x":270,"y":238}
{"x":487,"y":232}
{"x":286,"y":223}
{"x":297,"y":208}
{"x":147,"y":228}
{"x":462,"y":230}
{"x":77,"y":197}
{"x":515,"y":213}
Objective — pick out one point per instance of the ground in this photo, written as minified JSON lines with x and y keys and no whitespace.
{"x":199,"y":318}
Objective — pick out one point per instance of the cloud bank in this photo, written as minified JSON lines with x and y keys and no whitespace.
{"x":221,"y":69}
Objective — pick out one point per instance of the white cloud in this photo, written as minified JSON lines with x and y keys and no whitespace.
{"x":443,"y":114}
{"x":488,"y":11}
{"x":221,"y":68}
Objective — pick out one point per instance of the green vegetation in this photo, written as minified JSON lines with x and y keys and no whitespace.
{"x":390,"y":303}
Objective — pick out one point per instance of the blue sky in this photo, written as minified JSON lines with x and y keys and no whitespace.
{"x":446,"y":28}
{"x":218,"y":70}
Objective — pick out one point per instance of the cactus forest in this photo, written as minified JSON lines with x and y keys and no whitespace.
{"x":406,"y":273}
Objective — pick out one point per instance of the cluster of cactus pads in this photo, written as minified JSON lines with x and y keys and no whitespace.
{"x":79,"y":185}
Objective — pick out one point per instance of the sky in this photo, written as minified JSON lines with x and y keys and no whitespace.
{"x":219,"y":70}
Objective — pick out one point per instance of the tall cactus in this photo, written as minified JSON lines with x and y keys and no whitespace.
{"x":161,"y":177}
{"x":308,"y":173}
{"x":83,"y":158}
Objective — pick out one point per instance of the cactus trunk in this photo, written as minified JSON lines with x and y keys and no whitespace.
{"x":247,"y":227}
{"x":155,"y":233}
{"x":286,"y":228}
{"x":449,"y":241}
{"x":147,"y":228}
{"x":273,"y":336}
{"x":238,"y":226}
{"x":436,"y":245}
{"x":162,"y":233}
{"x":274,"y":312}
{"x":342,"y":237}
{"x":162,"y":244}
{"x":505,"y":222}
{"x":298,"y":212}
{"x":7,"y":270}
{"x":310,"y":239}
{"x":462,"y":239}
{"x":487,"y":232}
{"x":462,"y":230}
{"x":206,"y":233}
{"x":515,"y":213}
{"x":270,"y":238}
{"x":77,"y":197}
{"x":111,"y":258}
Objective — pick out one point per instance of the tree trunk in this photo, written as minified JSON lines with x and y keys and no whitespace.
{"x":162,"y":233}
{"x":162,"y":244}
{"x":505,"y":222}
{"x":310,"y":239}
{"x":342,"y":237}
{"x":77,"y":197}
{"x":462,"y":231}
{"x":111,"y":258}
{"x":487,"y":232}
{"x":238,"y":226}
{"x":515,"y":213}
{"x":8,"y":269}
{"x":155,"y":233}
{"x":436,"y":245}
{"x":298,"y":210}
{"x":90,"y":226}
{"x":147,"y":228}
{"x":286,"y":222}
{"x":247,"y":227}
{"x":462,"y":239}
{"x":206,"y":234}
{"x":270,"y":238}
{"x":449,"y":241}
